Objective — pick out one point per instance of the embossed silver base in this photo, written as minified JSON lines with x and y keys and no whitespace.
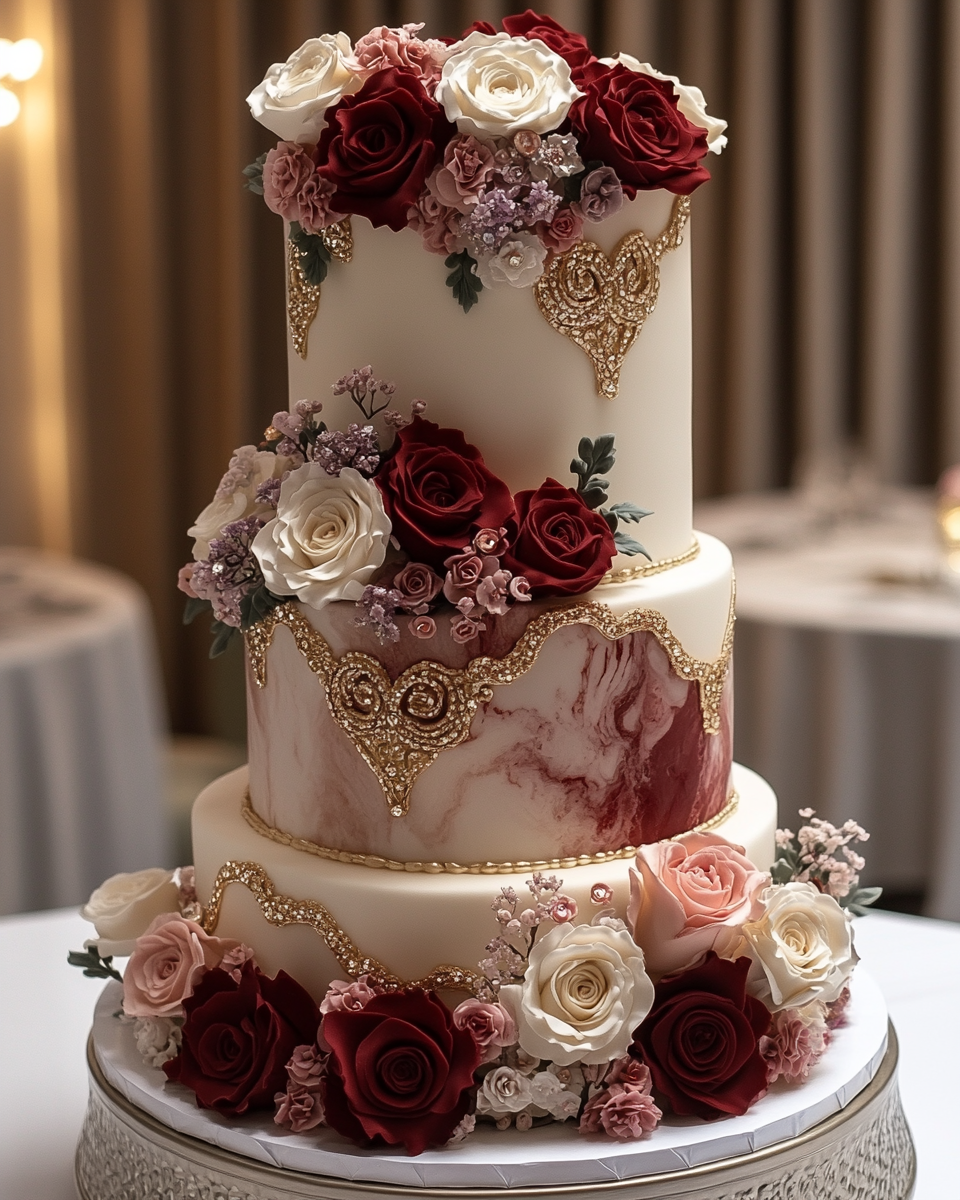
{"x":863,"y":1152}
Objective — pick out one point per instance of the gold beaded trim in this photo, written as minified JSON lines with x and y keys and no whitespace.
{"x":260,"y":826}
{"x":626,"y":574}
{"x":600,"y":304}
{"x":284,"y":910}
{"x":303,"y":299}
{"x":400,"y":727}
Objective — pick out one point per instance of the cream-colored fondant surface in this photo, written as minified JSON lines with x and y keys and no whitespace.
{"x":411,"y":922}
{"x":520,"y":391}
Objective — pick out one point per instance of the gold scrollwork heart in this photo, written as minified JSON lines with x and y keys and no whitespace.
{"x":600,"y":304}
{"x":303,"y":298}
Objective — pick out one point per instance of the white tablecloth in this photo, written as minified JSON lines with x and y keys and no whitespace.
{"x":847,"y":666}
{"x":81,"y":789}
{"x":46,"y":1008}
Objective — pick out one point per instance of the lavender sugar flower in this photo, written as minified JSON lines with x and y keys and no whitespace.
{"x":357,"y":446}
{"x":378,"y":609}
{"x":363,"y":389}
{"x":230,"y":571}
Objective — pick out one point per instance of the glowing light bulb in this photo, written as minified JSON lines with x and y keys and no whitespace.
{"x":9,"y":106}
{"x":6,"y":52}
{"x":25,"y":59}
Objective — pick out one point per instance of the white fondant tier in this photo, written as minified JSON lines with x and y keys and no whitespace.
{"x":410,"y":921}
{"x":599,"y":745}
{"x":520,"y":391}
{"x":553,"y":1155}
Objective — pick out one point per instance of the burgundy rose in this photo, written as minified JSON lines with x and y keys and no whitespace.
{"x":418,"y":586}
{"x":436,"y":490}
{"x":402,"y":1072}
{"x":379,"y":146}
{"x":564,"y":231}
{"x":701,"y":1039}
{"x":238,"y":1038}
{"x":570,"y":46}
{"x":631,"y":122}
{"x":562,"y":547}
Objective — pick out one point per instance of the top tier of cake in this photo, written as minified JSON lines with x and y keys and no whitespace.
{"x":522,"y":392}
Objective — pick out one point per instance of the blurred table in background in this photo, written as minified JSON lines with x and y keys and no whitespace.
{"x":81,"y":784}
{"x":847,"y":668}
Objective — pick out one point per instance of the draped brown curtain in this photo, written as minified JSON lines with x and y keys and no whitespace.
{"x":826,"y":254}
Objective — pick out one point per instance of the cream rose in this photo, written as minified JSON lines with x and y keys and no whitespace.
{"x":124,"y":905}
{"x":801,"y":946}
{"x":518,"y":263}
{"x":294,"y":95}
{"x":329,"y":535}
{"x":236,"y":496}
{"x":496,"y":85}
{"x":686,"y":895}
{"x":584,"y":993}
{"x":503,"y":1090}
{"x":166,"y":965}
{"x":690,"y":100}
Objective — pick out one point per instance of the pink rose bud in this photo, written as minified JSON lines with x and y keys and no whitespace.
{"x":601,"y":894}
{"x":423,"y":627}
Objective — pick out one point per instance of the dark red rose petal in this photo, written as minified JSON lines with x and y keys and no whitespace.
{"x":570,"y":46}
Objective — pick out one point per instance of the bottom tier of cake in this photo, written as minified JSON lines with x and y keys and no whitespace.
{"x":841,"y":1134}
{"x":410,"y":919}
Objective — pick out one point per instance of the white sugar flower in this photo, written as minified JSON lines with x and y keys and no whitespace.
{"x":294,"y":95}
{"x":494,"y":84}
{"x":329,"y":535}
{"x":548,"y":1094}
{"x":518,"y":263}
{"x":584,"y":993}
{"x":690,"y":100}
{"x":158,"y":1039}
{"x":236,"y":496}
{"x":801,"y":946}
{"x":503,"y":1090}
{"x":124,"y":905}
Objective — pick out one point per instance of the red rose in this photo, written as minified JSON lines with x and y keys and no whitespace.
{"x":402,"y":1071}
{"x":562,"y":546}
{"x":701,"y":1039}
{"x":379,"y":146}
{"x":631,"y":122}
{"x":436,"y":489}
{"x":570,"y":46}
{"x":238,"y":1038}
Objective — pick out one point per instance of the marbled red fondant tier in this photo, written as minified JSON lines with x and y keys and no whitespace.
{"x":599,"y":745}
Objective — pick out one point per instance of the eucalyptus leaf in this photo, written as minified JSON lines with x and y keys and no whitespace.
{"x":627,"y":511}
{"x":193,"y":608}
{"x":94,"y":967}
{"x":628,"y":545}
{"x":253,"y":173}
{"x":222,"y":636}
{"x":463,"y":279}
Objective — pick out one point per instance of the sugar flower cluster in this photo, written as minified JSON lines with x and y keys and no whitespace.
{"x":496,"y":148}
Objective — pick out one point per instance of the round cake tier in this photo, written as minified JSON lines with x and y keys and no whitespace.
{"x":569,"y":729}
{"x":410,"y":920}
{"x":841,"y":1133}
{"x":520,"y":391}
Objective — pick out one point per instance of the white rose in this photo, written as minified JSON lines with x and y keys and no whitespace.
{"x":236,"y":496}
{"x":158,"y":1039}
{"x":124,"y":905}
{"x":584,"y":993}
{"x":690,"y":100}
{"x":518,"y":263}
{"x":801,"y":946}
{"x":329,"y":535}
{"x":503,"y":1090}
{"x":497,"y":85}
{"x":294,"y":95}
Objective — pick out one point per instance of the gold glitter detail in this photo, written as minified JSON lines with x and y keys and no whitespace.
{"x":338,"y":239}
{"x":260,"y":826}
{"x":602,"y":305}
{"x":284,"y":910}
{"x":303,"y":300}
{"x":626,"y":574}
{"x":400,"y":728}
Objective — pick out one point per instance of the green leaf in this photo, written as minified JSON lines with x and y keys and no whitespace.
{"x":255,"y":605}
{"x":254,"y":175}
{"x":193,"y":608}
{"x":629,"y":512}
{"x":314,"y":256}
{"x":594,"y":494}
{"x":781,"y":871}
{"x":94,"y":967}
{"x":222,"y":636}
{"x":628,"y":545}
{"x":859,"y":902}
{"x":463,"y":279}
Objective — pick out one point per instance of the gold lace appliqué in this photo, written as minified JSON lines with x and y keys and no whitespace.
{"x":602,"y":304}
{"x":401,"y":727}
{"x":303,"y":299}
{"x":284,"y":910}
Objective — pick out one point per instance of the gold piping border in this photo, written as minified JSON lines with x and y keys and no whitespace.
{"x":284,"y":910}
{"x":626,"y":574}
{"x":261,"y":827}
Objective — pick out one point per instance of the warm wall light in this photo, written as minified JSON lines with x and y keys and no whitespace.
{"x":20,"y":61}
{"x":9,"y":106}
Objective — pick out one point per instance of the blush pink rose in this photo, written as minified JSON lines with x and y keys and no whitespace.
{"x":298,"y":1109}
{"x":688,"y":895}
{"x":351,"y":997}
{"x":315,"y":213}
{"x":564,"y":231}
{"x":491,"y":1024}
{"x":287,"y":168}
{"x":167,"y":963}
{"x":384,"y":47}
{"x":620,"y":1112}
{"x":795,"y":1042}
{"x":467,"y":165}
{"x":437,"y":224}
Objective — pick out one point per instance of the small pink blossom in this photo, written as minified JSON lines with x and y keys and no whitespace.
{"x":520,"y":588}
{"x":563,"y":232}
{"x":491,"y":1025}
{"x":492,"y":592}
{"x":490,"y":542}
{"x":234,"y":959}
{"x":630,"y":1072}
{"x":524,"y":1121}
{"x":467,"y":1125}
{"x":562,"y":909}
{"x":352,"y":997}
{"x":287,"y":168}
{"x":422,"y":627}
{"x":465,"y":629}
{"x":314,"y":200}
{"x":795,"y":1043}
{"x":620,"y":1112}
{"x":464,"y":573}
{"x":307,"y":1066}
{"x":837,"y":1011}
{"x":601,"y":894}
{"x":437,"y":224}
{"x":184,"y":576}
{"x":298,"y":1109}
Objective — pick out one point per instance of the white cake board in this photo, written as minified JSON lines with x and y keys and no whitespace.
{"x":552,"y":1155}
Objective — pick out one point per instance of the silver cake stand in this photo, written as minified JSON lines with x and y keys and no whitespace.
{"x":863,"y":1152}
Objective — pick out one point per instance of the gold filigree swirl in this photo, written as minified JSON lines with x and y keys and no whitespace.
{"x":338,"y":239}
{"x":600,"y":304}
{"x":598,"y":858}
{"x":401,"y":727}
{"x":303,"y":300}
{"x":285,"y":910}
